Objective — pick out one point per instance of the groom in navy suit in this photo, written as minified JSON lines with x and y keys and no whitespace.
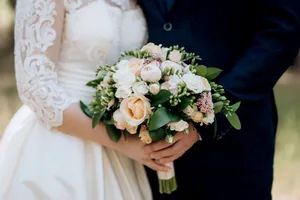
{"x":254,"y":42}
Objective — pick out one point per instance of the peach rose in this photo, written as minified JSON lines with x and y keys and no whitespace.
{"x":131,"y":129}
{"x":144,"y":135}
{"x":136,"y":65}
{"x":135,"y":109}
{"x":156,"y":51}
{"x":206,"y":84}
{"x":119,"y":120}
{"x":175,"y":56}
{"x":197,"y":116}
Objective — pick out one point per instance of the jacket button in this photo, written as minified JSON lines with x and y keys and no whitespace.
{"x":167,"y":26}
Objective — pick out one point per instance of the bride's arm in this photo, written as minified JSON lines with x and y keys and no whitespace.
{"x":38,"y":35}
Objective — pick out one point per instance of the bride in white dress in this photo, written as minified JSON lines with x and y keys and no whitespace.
{"x":49,"y":150}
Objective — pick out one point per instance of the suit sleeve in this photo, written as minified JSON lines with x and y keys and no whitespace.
{"x":274,"y":47}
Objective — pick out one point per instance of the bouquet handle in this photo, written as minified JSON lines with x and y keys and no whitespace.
{"x":167,"y":180}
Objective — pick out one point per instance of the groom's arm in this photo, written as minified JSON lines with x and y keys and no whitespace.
{"x":272,"y":51}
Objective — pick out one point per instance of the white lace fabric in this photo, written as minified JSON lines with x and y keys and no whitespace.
{"x":38,"y":35}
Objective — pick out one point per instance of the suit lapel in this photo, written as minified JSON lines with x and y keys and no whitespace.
{"x":170,"y":4}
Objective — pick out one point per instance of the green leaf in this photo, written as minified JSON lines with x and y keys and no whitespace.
{"x":94,"y":83}
{"x":212,"y":73}
{"x":86,"y":110}
{"x":113,"y":132}
{"x":96,"y":119}
{"x":201,"y":70}
{"x":158,"y":134}
{"x":218,"y":106}
{"x":160,"y":118}
{"x":236,"y":106}
{"x":234,"y":121}
{"x":185,"y":102}
{"x":108,"y":121}
{"x":162,"y":97}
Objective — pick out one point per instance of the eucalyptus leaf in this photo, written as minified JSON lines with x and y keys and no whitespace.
{"x":234,"y":121}
{"x":160,"y":118}
{"x":158,"y":134}
{"x":162,"y":97}
{"x":212,"y":73}
{"x":201,"y":70}
{"x":218,"y":106}
{"x":185,"y":102}
{"x":86,"y":110}
{"x":96,"y":119}
{"x":236,"y":106}
{"x":113,"y":133}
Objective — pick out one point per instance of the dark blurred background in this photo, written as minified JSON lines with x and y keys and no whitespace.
{"x":287,"y":159}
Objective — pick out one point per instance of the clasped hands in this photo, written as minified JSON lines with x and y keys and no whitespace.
{"x":163,"y":152}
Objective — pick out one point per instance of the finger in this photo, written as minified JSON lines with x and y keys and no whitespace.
{"x":157,"y":167}
{"x":163,"y":144}
{"x":170,"y":158}
{"x":156,"y":146}
{"x":174,"y":149}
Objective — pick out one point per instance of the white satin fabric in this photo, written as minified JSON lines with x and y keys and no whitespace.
{"x":39,"y":163}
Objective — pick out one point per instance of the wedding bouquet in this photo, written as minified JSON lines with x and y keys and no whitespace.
{"x":156,"y":92}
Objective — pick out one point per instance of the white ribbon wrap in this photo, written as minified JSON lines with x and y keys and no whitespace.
{"x":167,"y":175}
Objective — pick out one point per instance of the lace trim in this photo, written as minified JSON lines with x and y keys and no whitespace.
{"x":35,"y":71}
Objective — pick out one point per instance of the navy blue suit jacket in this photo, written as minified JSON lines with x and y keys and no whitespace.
{"x":254,"y":42}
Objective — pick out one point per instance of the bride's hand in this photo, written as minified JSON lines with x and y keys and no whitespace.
{"x":134,"y":149}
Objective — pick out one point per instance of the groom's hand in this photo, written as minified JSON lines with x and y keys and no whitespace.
{"x":165,"y":152}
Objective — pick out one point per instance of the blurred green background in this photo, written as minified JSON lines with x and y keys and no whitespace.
{"x":287,"y":159}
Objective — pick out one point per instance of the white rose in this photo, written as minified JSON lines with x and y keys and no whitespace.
{"x":144,"y":135}
{"x":175,"y":56}
{"x":151,"y":72}
{"x":208,"y":119}
{"x":178,"y":126}
{"x":123,"y":64}
{"x":171,"y":65}
{"x":123,"y":91}
{"x":174,"y":80}
{"x":119,"y":120}
{"x":154,"y":89}
{"x":124,"y":77}
{"x":193,"y":82}
{"x":166,"y":86}
{"x":140,"y":88}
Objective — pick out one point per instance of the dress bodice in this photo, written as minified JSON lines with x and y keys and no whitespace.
{"x":59,"y":45}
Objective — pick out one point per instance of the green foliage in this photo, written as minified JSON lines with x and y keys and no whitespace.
{"x":113,"y":133}
{"x":218,"y":106}
{"x":158,"y":134}
{"x":234,"y":121}
{"x":160,"y":118}
{"x":86,"y":110}
{"x":212,"y":73}
{"x":162,"y":97}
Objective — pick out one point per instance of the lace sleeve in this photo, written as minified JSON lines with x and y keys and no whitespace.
{"x":38,"y":30}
